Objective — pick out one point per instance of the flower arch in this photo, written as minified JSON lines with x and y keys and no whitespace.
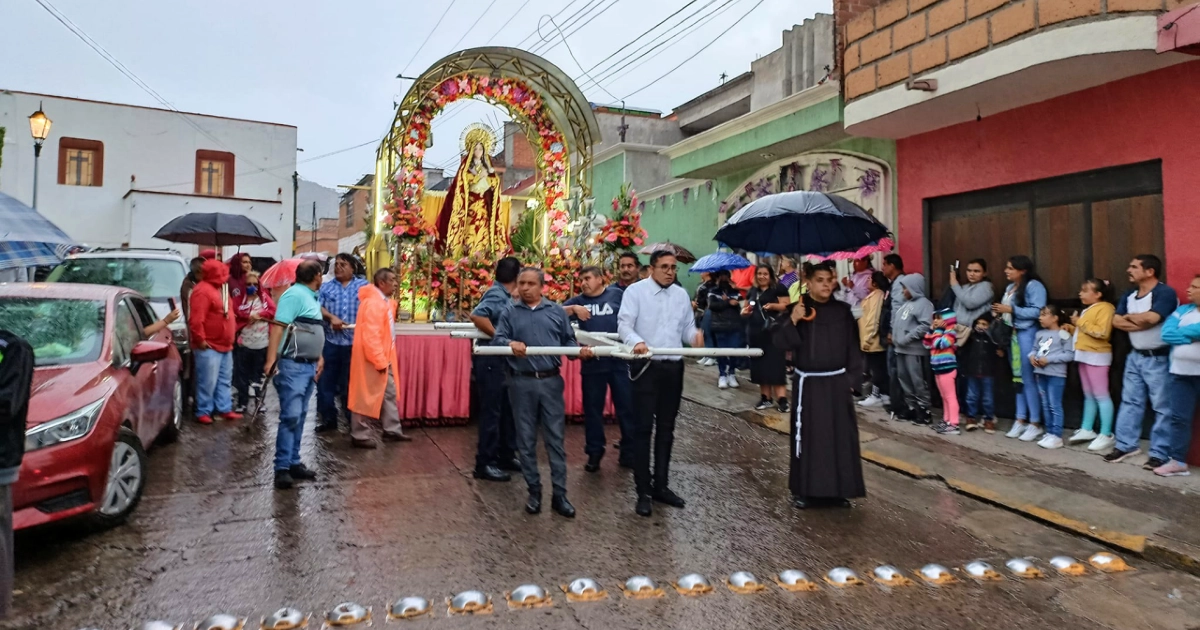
{"x":523,"y":103}
{"x":555,"y":114}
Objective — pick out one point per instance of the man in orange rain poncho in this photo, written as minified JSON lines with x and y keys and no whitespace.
{"x":373,"y":368}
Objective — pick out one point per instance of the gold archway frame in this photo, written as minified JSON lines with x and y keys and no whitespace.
{"x":567,"y":107}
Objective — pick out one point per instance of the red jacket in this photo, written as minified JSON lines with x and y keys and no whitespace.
{"x":210,"y":317}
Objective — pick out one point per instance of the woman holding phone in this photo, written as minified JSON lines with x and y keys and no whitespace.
{"x":765,"y":303}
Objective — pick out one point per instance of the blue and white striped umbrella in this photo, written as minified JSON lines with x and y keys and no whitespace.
{"x":719,"y":261}
{"x":27,"y":238}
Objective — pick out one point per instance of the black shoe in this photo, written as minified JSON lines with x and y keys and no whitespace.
{"x":644,"y":506}
{"x":921,"y":418}
{"x":511,"y":465}
{"x":1117,"y":455}
{"x":562,"y":506}
{"x":842,"y":503}
{"x":326,"y":428}
{"x":625,"y":463}
{"x":784,"y":406}
{"x":283,"y":480}
{"x":593,"y":462}
{"x":800,"y":503}
{"x":534,"y":504}
{"x":396,"y":437}
{"x":1153,"y":463}
{"x":300,"y":472}
{"x":491,"y":473}
{"x":763,"y":403}
{"x":670,"y":498}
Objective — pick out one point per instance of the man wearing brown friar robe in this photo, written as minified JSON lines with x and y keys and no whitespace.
{"x":826,"y":469}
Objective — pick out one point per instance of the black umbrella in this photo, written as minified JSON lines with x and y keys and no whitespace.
{"x":805,"y":223}
{"x":215,"y":229}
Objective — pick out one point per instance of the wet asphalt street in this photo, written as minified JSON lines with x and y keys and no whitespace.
{"x":212,"y":535}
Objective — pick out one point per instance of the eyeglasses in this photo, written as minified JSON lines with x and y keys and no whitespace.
{"x":668,"y":267}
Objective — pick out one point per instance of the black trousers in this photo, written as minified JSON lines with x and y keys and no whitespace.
{"x":247,"y":368}
{"x":656,"y":396}
{"x":497,"y":431}
{"x":6,"y":550}
{"x":877,"y":364}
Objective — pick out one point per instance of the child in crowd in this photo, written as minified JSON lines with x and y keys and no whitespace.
{"x":1093,"y":353}
{"x":1052,"y":352}
{"x":870,"y":343}
{"x":942,"y":342}
{"x":976,"y":362}
{"x":910,"y":322}
{"x":250,"y":351}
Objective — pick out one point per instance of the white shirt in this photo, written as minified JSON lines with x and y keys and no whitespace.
{"x":1151,"y":338}
{"x":657,"y":316}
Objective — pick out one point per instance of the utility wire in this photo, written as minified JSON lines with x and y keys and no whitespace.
{"x":695,"y":54}
{"x":506,"y":23}
{"x":546,"y":45}
{"x":427,"y":37}
{"x":129,"y":74}
{"x":683,"y":36}
{"x":555,"y":16}
{"x":667,"y":37}
{"x":473,"y":25}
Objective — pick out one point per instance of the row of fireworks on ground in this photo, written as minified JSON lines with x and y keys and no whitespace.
{"x":586,"y":589}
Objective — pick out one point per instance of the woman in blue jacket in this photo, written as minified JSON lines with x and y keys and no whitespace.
{"x":1020,"y":308}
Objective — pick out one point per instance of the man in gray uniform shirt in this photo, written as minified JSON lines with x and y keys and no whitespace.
{"x":535,"y":386}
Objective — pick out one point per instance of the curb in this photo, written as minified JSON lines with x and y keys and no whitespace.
{"x":1170,"y":553}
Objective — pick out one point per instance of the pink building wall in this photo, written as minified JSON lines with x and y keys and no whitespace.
{"x":1146,"y":117}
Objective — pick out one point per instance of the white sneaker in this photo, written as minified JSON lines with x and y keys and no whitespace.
{"x":1102,"y":443}
{"x":1032,"y":432}
{"x":1082,"y":436}
{"x":885,"y":400}
{"x":871,"y":401}
{"x":1051,"y":442}
{"x":710,"y":362}
{"x":733,"y":380}
{"x":723,"y":382}
{"x":1017,"y":429}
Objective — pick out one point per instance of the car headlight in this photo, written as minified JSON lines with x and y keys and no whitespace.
{"x":69,"y":427}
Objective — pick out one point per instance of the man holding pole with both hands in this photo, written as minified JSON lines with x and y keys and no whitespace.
{"x":536,"y":384}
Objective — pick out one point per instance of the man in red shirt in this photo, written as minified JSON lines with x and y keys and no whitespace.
{"x":211,"y":324}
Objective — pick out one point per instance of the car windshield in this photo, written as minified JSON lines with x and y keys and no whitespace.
{"x":154,"y":278}
{"x":61,"y":331}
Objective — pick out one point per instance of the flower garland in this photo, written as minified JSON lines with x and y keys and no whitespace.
{"x":624,"y":229}
{"x":407,"y":221}
{"x":521,"y":101}
{"x":561,"y":271}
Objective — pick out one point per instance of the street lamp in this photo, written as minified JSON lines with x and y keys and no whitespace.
{"x":39,"y":128}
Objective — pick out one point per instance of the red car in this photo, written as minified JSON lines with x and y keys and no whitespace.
{"x":103,"y":392}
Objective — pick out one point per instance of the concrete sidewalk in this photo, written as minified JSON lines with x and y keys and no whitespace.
{"x":1121,"y":505}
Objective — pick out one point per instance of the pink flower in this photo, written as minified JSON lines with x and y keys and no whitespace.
{"x":637,"y":240}
{"x":611,"y":238}
{"x":614,"y":204}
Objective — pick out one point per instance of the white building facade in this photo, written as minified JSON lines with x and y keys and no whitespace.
{"x":111,"y":175}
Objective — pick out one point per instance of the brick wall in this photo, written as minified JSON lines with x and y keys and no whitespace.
{"x":885,"y":43}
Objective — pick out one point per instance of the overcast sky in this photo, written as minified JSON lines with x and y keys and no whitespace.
{"x":329,"y":67}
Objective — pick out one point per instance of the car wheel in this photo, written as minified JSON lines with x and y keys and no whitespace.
{"x":125,"y":482}
{"x":170,"y":433}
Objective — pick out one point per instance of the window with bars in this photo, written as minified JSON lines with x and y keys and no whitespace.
{"x":80,"y":162}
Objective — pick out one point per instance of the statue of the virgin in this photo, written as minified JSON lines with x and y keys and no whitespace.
{"x":471,"y":219}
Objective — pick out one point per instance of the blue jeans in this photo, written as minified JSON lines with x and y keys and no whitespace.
{"x":594,"y":386}
{"x":1050,"y":389}
{"x":1029,"y":404}
{"x":1145,"y":381}
{"x":706,"y":328}
{"x":980,"y":387}
{"x":1175,"y":435}
{"x":214,"y":381}
{"x":335,"y":382}
{"x":728,"y":339}
{"x":294,"y":381}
